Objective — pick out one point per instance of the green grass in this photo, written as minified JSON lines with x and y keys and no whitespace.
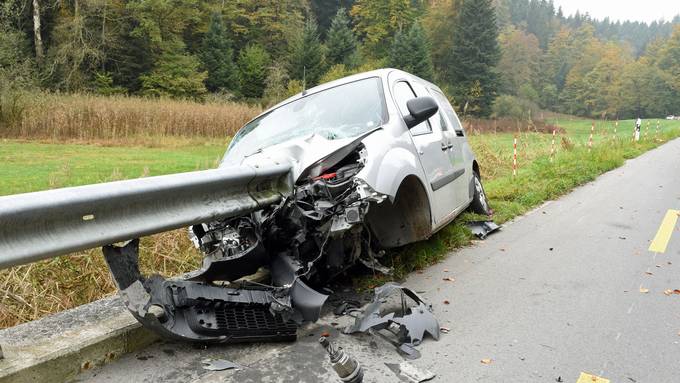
{"x":29,"y":166}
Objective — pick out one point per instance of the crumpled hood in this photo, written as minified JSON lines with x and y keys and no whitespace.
{"x":303,"y":153}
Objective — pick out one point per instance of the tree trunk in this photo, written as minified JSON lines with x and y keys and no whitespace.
{"x":39,"y":55}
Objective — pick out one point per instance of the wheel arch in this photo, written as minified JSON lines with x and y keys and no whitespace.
{"x":405,"y":219}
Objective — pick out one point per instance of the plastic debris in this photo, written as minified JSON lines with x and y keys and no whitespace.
{"x":482,"y":228}
{"x":409,"y":324}
{"x":219,"y":365}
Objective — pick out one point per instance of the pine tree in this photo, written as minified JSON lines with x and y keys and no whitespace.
{"x":253,"y":62}
{"x":411,"y":52}
{"x":217,"y":57}
{"x":471,"y":72}
{"x":307,"y":60}
{"x":341,"y":42}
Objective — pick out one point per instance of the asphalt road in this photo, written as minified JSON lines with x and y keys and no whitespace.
{"x":568,"y":288}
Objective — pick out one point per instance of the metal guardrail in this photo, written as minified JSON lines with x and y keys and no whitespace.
{"x":40,"y":225}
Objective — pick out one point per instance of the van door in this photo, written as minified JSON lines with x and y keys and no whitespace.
{"x":455,"y":136}
{"x":432,"y":148}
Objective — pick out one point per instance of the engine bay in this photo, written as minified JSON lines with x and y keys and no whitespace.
{"x":304,"y":241}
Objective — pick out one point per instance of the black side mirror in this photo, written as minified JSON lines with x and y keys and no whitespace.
{"x":421,"y":108}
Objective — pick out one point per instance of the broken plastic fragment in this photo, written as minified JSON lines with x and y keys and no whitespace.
{"x":219,"y":365}
{"x":409,"y":324}
{"x":482,"y":228}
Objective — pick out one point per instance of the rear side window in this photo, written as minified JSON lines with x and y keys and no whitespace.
{"x":402,"y":94}
{"x":447,"y":109}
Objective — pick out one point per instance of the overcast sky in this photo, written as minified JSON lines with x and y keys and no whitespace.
{"x":635,"y":10}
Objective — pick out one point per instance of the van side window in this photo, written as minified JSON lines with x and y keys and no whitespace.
{"x":403,"y":92}
{"x":448,"y":110}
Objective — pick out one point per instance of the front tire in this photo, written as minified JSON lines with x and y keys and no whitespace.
{"x":480,"y":204}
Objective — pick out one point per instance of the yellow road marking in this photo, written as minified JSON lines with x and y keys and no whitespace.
{"x":587,"y":378}
{"x":663,"y":236}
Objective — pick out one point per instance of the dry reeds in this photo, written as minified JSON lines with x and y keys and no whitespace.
{"x":32,"y":291}
{"x":91,"y":118}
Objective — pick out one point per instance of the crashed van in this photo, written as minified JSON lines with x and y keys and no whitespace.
{"x":378,"y":160}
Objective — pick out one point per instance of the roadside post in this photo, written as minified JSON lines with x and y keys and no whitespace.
{"x":616,"y":128}
{"x":552,"y":147}
{"x":590,"y":139}
{"x":514,"y":157}
{"x":656,"y":134}
{"x":647,"y":131}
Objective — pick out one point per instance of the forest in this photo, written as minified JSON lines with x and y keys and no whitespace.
{"x":500,"y":58}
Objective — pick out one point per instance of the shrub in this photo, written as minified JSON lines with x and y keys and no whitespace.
{"x":514,"y":107}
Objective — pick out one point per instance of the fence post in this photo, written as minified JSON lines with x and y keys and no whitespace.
{"x":590,"y":139}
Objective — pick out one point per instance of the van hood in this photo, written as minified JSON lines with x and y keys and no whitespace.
{"x":309,"y":156}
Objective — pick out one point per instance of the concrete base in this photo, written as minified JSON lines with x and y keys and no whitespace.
{"x":58,"y":347}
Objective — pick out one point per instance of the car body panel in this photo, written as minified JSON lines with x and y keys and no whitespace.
{"x":392,"y":151}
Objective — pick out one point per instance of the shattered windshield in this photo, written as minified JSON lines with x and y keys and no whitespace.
{"x":343,"y":111}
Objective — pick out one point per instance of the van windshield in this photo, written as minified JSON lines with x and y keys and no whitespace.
{"x":344,"y":111}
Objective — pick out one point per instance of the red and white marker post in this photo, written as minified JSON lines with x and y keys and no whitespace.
{"x":656,"y":134}
{"x":590,"y":139}
{"x":552,"y":147}
{"x":647,"y":131}
{"x":514,"y":157}
{"x":616,"y":128}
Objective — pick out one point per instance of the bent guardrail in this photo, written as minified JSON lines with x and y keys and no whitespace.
{"x":45,"y":224}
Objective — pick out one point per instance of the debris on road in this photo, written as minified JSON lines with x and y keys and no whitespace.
{"x":671,"y":292}
{"x":219,"y":365}
{"x":448,"y":279}
{"x":409,"y":373}
{"x":408,"y":324}
{"x":482,"y":228}
{"x":486,"y":361}
{"x":347,"y":368}
{"x":644,"y":290}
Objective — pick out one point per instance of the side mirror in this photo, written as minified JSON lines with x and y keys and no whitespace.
{"x":421,"y":108}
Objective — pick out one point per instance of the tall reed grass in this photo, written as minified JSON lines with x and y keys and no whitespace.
{"x":91,"y":118}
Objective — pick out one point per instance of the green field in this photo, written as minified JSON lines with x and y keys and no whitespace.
{"x":29,"y":166}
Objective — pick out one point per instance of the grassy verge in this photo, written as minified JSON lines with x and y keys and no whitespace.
{"x":32,"y":291}
{"x":538,"y":179}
